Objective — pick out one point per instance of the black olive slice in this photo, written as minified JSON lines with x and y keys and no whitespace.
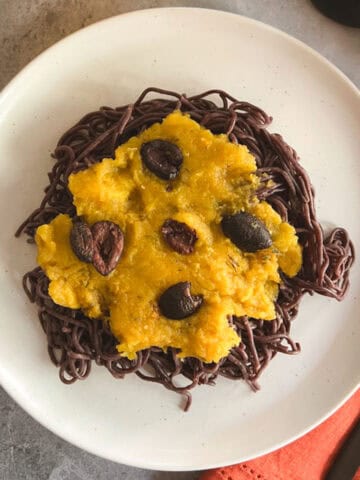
{"x":179,"y":236}
{"x":177,"y":302}
{"x":108,"y":246}
{"x":82,"y":242}
{"x":246,"y":231}
{"x":162,"y":158}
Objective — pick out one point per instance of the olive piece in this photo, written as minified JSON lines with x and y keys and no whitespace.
{"x":162,"y":158}
{"x":177,"y":302}
{"x":108,"y":245}
{"x":247,"y":232}
{"x":179,"y":236}
{"x":82,"y":242}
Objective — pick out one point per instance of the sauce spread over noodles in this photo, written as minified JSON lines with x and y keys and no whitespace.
{"x":217,"y":178}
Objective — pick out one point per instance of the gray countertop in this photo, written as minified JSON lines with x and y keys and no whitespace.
{"x":27,"y":450}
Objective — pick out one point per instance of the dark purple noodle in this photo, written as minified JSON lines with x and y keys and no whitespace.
{"x":75,"y":341}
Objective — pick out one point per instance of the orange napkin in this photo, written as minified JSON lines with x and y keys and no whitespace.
{"x":305,"y":459}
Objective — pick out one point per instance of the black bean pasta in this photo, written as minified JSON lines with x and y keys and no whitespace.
{"x":75,"y":341}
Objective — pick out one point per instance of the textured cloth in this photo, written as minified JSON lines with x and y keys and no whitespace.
{"x":308,"y":458}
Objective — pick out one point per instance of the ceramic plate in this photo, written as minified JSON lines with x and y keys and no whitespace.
{"x":189,"y":50}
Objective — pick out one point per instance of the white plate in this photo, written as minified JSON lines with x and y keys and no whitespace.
{"x":189,"y":50}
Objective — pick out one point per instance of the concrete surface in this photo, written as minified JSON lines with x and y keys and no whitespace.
{"x":27,"y":450}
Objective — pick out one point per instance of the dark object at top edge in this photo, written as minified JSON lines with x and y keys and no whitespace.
{"x":346,"y":12}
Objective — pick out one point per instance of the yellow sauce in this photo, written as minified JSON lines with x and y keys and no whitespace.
{"x":216,"y":178}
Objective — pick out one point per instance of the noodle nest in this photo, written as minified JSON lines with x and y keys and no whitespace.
{"x":75,"y":341}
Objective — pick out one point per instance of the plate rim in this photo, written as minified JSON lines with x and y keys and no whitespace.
{"x":9,"y":386}
{"x":12,"y":83}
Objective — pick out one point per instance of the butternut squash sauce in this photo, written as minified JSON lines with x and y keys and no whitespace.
{"x":216,"y":178}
